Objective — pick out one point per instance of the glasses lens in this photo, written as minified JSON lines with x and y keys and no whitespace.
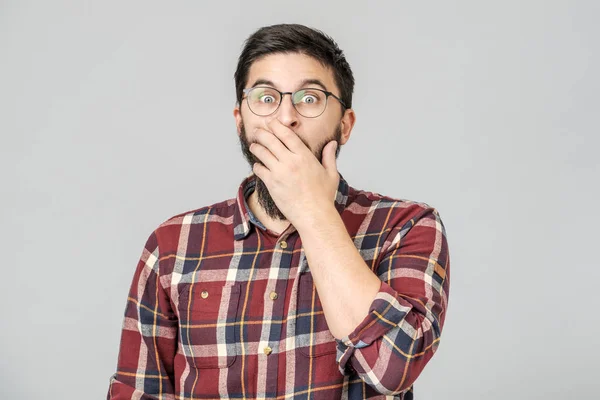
{"x":310,"y":102}
{"x":263,"y":100}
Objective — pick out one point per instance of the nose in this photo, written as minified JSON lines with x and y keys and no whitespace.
{"x":287,"y":113}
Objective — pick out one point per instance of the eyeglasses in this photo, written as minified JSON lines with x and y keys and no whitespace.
{"x":309,"y":102}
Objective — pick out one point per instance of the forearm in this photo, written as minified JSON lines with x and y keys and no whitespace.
{"x":345,"y":284}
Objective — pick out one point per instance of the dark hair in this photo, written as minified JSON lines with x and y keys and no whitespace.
{"x":294,"y":38}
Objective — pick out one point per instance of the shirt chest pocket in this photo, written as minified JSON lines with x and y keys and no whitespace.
{"x":209,"y":329}
{"x":313,"y":335}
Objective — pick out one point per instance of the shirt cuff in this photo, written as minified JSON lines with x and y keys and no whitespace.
{"x":385,"y":313}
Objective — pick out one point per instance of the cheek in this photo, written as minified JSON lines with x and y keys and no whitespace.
{"x":250,"y":119}
{"x":316,"y":133}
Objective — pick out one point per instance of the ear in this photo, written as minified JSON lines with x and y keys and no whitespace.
{"x":237,"y":115}
{"x":347,"y":123}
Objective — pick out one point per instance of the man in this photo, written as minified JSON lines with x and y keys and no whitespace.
{"x":300,"y":287}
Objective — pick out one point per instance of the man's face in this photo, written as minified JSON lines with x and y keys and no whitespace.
{"x":286,"y":72}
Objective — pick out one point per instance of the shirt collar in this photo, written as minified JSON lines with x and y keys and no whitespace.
{"x":243,"y":217}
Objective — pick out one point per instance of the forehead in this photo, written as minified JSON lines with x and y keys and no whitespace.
{"x":288,"y":70}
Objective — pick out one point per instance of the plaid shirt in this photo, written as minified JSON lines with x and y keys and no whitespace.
{"x":220,"y":307}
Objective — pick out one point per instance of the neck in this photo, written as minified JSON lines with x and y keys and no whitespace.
{"x":275,"y":225}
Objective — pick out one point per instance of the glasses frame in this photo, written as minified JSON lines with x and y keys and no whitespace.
{"x":282,"y":94}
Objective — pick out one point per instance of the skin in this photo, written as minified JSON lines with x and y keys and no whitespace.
{"x":314,"y":132}
{"x":295,"y":159}
{"x":261,"y":195}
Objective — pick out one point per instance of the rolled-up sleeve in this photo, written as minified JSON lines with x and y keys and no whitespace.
{"x":148,"y":337}
{"x":402,"y":331}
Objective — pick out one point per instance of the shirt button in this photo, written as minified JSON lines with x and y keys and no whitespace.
{"x":283,"y":244}
{"x":268,"y":350}
{"x":204,"y":294}
{"x":273,"y":296}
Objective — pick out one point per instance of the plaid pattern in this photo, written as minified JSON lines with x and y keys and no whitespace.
{"x":219,"y":307}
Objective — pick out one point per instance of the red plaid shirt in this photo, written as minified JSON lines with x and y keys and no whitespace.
{"x":220,"y":307}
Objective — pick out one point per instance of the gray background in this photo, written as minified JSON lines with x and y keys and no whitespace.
{"x":117,"y":115}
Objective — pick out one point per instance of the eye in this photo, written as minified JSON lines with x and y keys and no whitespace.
{"x":267,"y":99}
{"x":310,"y":99}
{"x":307,"y":97}
{"x":264,"y":95}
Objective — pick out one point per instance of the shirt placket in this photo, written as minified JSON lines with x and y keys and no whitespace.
{"x":276,"y":293}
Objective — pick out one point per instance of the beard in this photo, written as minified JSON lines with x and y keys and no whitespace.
{"x":264,"y":197}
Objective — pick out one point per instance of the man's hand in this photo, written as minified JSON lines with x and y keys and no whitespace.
{"x":297,"y":182}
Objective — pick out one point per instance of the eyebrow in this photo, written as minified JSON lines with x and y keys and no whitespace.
{"x":305,"y":82}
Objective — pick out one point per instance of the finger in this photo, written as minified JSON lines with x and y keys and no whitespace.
{"x":264,"y":155}
{"x":287,"y":136}
{"x":261,"y":171}
{"x":329,"y":161}
{"x":271,"y":142}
